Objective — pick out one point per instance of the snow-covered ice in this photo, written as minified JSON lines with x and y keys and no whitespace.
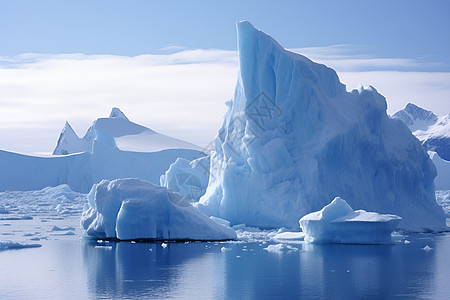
{"x":290,"y":236}
{"x":339,"y":223}
{"x":119,"y":130}
{"x":293,"y":138}
{"x":118,"y":148}
{"x":50,"y":201}
{"x":130,"y":209}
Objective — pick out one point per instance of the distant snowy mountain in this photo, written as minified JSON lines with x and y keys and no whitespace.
{"x":293,"y":139}
{"x":121,"y":133}
{"x":432,"y":131}
{"x":416,"y":117}
{"x":112,"y":148}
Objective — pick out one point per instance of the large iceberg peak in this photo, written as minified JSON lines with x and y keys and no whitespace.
{"x":261,"y":57}
{"x":117,"y":113}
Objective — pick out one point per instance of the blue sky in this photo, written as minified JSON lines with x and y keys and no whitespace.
{"x":74,"y":60}
{"x":408,"y":29}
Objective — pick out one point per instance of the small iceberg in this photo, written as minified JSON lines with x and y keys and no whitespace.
{"x":132,"y":209}
{"x":339,"y":223}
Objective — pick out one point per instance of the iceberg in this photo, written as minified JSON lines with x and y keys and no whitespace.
{"x":130,"y":209}
{"x":293,"y":138}
{"x":115,"y":148}
{"x":119,"y":132}
{"x":339,"y":223}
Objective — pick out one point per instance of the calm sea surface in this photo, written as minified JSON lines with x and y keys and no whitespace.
{"x":70,"y":267}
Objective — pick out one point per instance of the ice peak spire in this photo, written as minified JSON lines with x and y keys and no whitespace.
{"x":68,"y":130}
{"x":260,"y":54}
{"x":117,"y":113}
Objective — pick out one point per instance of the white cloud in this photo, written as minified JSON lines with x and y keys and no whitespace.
{"x":181,"y":94}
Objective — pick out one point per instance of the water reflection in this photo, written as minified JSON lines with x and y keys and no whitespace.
{"x":201,"y":270}
{"x":340,"y":272}
{"x":149,"y":270}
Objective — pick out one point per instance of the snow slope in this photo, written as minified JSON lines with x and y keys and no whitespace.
{"x":432,"y":131}
{"x":293,"y":139}
{"x":104,"y":160}
{"x":337,"y":222}
{"x":130,"y":209}
{"x":126,"y":135}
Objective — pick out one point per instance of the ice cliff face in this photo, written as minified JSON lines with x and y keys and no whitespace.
{"x":432,"y":131}
{"x":293,"y":139}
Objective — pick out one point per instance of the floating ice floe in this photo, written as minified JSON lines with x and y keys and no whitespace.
{"x":290,"y":236}
{"x":278,"y":248}
{"x":130,"y":209}
{"x":339,"y":223}
{"x":9,"y":245}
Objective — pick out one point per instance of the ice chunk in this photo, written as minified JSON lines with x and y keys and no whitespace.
{"x":278,"y":248}
{"x":130,"y":209}
{"x":290,"y":236}
{"x":339,"y":223}
{"x":8,"y":245}
{"x":188,"y":178}
{"x":293,"y":138}
{"x":56,"y":228}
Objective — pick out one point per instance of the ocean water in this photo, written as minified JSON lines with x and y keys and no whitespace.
{"x":72,"y":267}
